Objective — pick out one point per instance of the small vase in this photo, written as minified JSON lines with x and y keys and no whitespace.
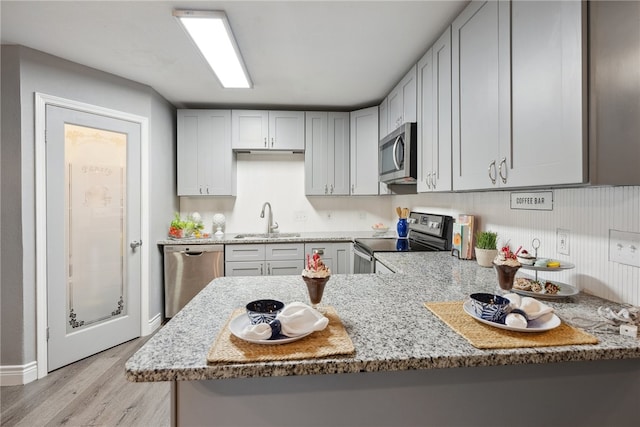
{"x":402,"y":228}
{"x":485,"y":257}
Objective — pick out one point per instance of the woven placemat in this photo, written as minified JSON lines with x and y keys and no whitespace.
{"x":331,"y":341}
{"x":484,"y":336}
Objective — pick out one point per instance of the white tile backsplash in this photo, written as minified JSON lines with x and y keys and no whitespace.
{"x":588,"y":214}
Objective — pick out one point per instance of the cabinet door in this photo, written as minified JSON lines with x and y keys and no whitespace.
{"x":383,"y":118}
{"x":250,"y":129}
{"x":284,"y":268}
{"x":478,"y":113}
{"x":409,"y":92}
{"x":548,"y":144}
{"x":286,"y":130}
{"x":187,"y":156}
{"x":440,"y":178}
{"x":284,"y":251}
{"x":402,"y":101}
{"x":206,"y":163}
{"x":316,"y":154}
{"x":364,"y":151}
{"x":244,"y":268}
{"x":338,"y":143}
{"x":426,"y":132}
{"x":342,"y":258}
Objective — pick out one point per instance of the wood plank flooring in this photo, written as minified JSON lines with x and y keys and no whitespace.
{"x":90,"y":392}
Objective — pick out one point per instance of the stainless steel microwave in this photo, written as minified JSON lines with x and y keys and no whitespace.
{"x":397,"y":156}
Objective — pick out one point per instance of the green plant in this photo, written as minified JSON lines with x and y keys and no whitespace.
{"x":486,"y":240}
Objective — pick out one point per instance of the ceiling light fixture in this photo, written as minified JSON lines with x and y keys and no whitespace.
{"x":211,"y":33}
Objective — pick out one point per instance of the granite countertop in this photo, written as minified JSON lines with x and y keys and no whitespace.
{"x":303,"y":237}
{"x":383,"y":314}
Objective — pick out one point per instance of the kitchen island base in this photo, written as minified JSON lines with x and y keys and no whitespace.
{"x":584,"y":393}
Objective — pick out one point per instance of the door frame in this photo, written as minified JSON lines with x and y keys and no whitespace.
{"x":41,"y":101}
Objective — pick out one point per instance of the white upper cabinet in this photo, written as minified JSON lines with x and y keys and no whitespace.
{"x":401,"y":102}
{"x":326,"y":158}
{"x":518,"y":95}
{"x":548,"y":107}
{"x":205,"y":160}
{"x":480,"y":118}
{"x":267,"y":130}
{"x":364,"y":151}
{"x":383,"y":118}
{"x":434,"y":117}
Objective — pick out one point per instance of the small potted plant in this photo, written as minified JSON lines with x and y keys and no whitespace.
{"x":486,"y":247}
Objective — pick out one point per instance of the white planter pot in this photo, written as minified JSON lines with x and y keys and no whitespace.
{"x":485,"y":257}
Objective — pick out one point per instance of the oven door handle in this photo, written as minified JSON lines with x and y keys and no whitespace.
{"x":396,"y":160}
{"x":361,"y":254}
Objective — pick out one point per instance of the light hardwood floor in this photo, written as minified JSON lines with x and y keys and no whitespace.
{"x":90,"y":392}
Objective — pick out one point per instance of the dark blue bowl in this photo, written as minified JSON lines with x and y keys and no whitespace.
{"x":263,"y":310}
{"x":490,"y":307}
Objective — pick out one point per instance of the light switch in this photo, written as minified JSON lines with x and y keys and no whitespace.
{"x":624,"y":247}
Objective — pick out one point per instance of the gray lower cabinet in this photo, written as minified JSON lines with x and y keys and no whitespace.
{"x":270,"y":259}
{"x":336,"y":255}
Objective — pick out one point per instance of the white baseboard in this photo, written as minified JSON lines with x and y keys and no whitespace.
{"x":24,"y":374}
{"x":18,"y":374}
{"x":154,"y":323}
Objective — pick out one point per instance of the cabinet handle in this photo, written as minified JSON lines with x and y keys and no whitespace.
{"x":268,"y":269}
{"x":428,"y":180}
{"x":352,"y":189}
{"x":265,"y":142}
{"x":331,"y":189}
{"x":272,"y":142}
{"x":207,"y":190}
{"x":326,"y":189}
{"x":503,"y":177}
{"x":492,"y":165}
{"x":200,"y":190}
{"x":261,"y":270}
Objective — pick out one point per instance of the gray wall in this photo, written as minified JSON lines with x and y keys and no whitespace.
{"x":35,"y":71}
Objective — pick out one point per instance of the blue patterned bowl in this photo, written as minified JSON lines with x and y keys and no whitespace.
{"x":490,"y":307}
{"x":263,"y":310}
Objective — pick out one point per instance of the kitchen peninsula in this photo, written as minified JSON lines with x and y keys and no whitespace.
{"x":410,"y":368}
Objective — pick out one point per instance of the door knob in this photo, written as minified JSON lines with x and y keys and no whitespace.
{"x":135,"y":244}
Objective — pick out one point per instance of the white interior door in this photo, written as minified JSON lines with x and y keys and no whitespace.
{"x":93,"y":233}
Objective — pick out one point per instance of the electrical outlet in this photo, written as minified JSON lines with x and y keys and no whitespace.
{"x":624,"y":247}
{"x":562,"y":241}
{"x":300,"y":216}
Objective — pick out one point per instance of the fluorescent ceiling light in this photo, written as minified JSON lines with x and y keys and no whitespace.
{"x":212,"y":34}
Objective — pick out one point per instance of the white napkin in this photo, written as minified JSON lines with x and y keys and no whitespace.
{"x":534,"y":309}
{"x":295,"y":318}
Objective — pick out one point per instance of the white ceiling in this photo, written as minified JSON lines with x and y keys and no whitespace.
{"x":330,"y":54}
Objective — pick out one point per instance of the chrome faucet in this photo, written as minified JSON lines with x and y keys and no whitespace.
{"x":271,"y":227}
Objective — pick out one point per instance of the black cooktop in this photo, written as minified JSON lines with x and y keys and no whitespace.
{"x":372,"y":245}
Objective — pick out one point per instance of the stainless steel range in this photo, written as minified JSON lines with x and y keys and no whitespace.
{"x":427,"y":232}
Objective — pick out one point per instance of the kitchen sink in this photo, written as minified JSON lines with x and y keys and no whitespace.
{"x":266,"y":235}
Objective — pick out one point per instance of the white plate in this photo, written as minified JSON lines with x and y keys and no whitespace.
{"x":533,"y":326}
{"x":565,"y":291}
{"x":237,"y":325}
{"x":563,"y":266}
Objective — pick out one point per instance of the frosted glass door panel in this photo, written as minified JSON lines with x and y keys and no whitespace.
{"x":96,"y":161}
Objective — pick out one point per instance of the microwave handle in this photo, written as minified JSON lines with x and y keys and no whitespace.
{"x":395,"y":152}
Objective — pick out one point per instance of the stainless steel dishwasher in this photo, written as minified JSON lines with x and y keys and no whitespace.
{"x":187,"y":270}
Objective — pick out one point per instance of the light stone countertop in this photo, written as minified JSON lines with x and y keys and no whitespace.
{"x":318,"y":236}
{"x":383,"y":314}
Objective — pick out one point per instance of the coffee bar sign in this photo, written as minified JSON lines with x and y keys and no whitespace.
{"x":536,"y":201}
